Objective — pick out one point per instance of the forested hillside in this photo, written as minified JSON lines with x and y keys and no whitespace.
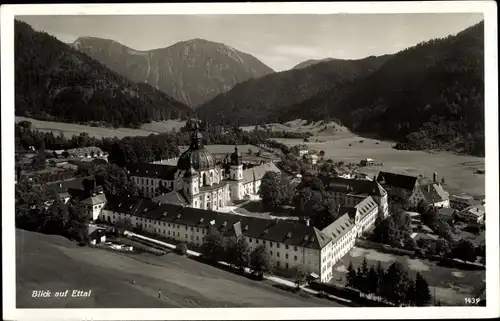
{"x":430,"y":96}
{"x":425,"y":97}
{"x":256,"y":100}
{"x":56,"y":82}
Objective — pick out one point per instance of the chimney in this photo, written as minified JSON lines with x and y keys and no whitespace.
{"x":429,"y":188}
{"x":435,"y":177}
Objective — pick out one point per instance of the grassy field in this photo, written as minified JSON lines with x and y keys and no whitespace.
{"x":301,"y":126}
{"x":69,"y":129}
{"x":53,"y":263}
{"x":457,"y":170}
{"x":451,"y":286}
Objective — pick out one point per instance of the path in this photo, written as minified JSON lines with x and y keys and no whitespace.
{"x":271,"y":278}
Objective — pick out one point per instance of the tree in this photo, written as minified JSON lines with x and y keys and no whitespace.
{"x":380,"y":276}
{"x":300,"y":277}
{"x":351,"y":276}
{"x":363,"y":276}
{"x":275,"y":190}
{"x":395,"y":284}
{"x":238,"y":252}
{"x":410,"y":297}
{"x":372,"y":280}
{"x":38,"y":162}
{"x":260,"y":260}
{"x":115,"y":181}
{"x":422,"y":293}
{"x":181,"y":248}
{"x":77,"y":225}
{"x":464,"y":250}
{"x":213,"y":247}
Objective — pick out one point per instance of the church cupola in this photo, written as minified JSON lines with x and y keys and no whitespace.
{"x":236,"y":157}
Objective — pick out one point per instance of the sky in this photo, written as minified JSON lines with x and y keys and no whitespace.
{"x":279,"y":41}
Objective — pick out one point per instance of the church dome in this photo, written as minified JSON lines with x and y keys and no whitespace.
{"x":196,"y":157}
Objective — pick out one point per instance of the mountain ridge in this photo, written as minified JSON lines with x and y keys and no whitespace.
{"x":428,"y":96}
{"x":191,"y":71}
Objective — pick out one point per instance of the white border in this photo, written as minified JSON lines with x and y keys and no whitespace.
{"x":488,"y":8}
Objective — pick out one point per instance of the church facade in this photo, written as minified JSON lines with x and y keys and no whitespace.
{"x":197,"y":181}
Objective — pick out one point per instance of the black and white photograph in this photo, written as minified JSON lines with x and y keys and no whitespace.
{"x":229,"y":158}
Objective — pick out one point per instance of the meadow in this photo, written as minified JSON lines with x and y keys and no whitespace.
{"x":45,"y":262}
{"x":69,"y":129}
{"x":459,"y":171}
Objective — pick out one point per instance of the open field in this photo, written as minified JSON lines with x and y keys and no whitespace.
{"x":455,"y":169}
{"x":69,"y":129}
{"x":301,"y":126}
{"x":451,"y":285}
{"x":53,"y":263}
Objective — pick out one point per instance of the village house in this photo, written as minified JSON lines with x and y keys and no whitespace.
{"x":461,"y":201}
{"x":311,"y":159}
{"x":473,"y":213}
{"x":414,"y":189}
{"x":352,"y":192}
{"x":96,"y":235}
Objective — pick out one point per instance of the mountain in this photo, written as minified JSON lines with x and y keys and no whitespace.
{"x":430,"y":96}
{"x":191,"y":71}
{"x":56,"y":82}
{"x":256,"y":100}
{"x":311,"y":62}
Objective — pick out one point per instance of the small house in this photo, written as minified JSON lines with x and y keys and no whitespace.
{"x":96,"y":234}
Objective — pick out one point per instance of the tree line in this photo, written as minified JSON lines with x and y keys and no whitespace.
{"x":39,"y":209}
{"x":393,"y":285}
{"x":137,"y":149}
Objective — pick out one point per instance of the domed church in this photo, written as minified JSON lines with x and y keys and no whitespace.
{"x":197,"y":181}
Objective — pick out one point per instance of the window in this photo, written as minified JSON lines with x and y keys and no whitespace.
{"x":168,"y":224}
{"x":278,"y":254}
{"x":178,"y":233}
{"x":197,"y":230}
{"x":192,"y":229}
{"x":286,"y":265}
{"x":286,"y":246}
{"x":256,"y":241}
{"x":186,"y":235}
{"x":295,"y":257}
{"x":278,"y":263}
{"x":271,"y":244}
{"x":250,"y":240}
{"x":295,"y":248}
{"x":264,"y":242}
{"x":168,"y":232}
{"x":271,"y":252}
{"x":277,"y":245}
{"x":286,"y":256}
{"x":197,"y":237}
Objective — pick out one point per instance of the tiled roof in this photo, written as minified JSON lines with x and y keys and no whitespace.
{"x":282,"y":231}
{"x":257,"y":172}
{"x":339,"y":228}
{"x":397,"y":180}
{"x":355,"y":185}
{"x":173,"y":197}
{"x":446,"y":211}
{"x":165,"y":172}
{"x":94,"y":199}
{"x":366,"y":206}
{"x":434,"y":193}
{"x":477,"y":210}
{"x":64,"y":186}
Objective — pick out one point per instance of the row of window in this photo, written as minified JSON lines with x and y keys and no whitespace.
{"x":286,"y":255}
{"x":295,"y":248}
